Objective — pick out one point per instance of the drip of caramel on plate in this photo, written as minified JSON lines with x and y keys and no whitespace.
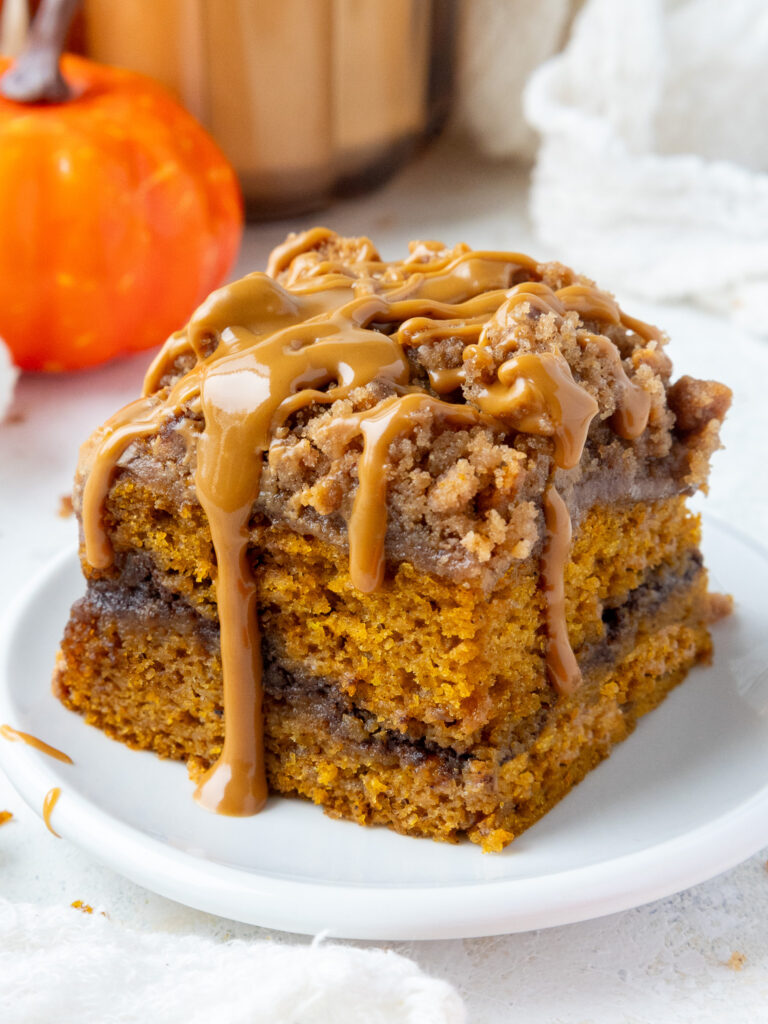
{"x":264,"y":349}
{"x":9,"y":733}
{"x":561,"y":662}
{"x":49,"y":802}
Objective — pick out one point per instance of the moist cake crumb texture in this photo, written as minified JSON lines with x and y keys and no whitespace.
{"x":408,"y":539}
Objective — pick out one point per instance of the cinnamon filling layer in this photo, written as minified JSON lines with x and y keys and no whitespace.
{"x":264,"y":350}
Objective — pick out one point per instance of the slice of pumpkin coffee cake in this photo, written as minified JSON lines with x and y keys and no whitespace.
{"x":407,"y":538}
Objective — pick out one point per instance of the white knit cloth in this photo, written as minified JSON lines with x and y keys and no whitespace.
{"x":652,"y":171}
{"x":60,"y":965}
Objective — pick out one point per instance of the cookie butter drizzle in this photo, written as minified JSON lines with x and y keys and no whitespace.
{"x":561,"y":661}
{"x":9,"y":733}
{"x":50,"y":800}
{"x":264,"y":350}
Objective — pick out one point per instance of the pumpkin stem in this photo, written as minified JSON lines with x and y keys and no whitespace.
{"x":36,"y":76}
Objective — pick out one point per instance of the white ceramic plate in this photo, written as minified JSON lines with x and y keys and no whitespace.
{"x":682,"y":799}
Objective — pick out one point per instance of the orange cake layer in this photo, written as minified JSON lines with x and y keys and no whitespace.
{"x":423,"y":655}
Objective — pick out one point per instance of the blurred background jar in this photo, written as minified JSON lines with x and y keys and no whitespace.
{"x":309,"y":99}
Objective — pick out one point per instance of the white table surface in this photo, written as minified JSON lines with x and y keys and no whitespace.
{"x":671,"y":961}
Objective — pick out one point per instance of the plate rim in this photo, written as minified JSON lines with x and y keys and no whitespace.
{"x":379,"y":912}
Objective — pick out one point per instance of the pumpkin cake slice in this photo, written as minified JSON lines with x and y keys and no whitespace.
{"x":407,"y":538}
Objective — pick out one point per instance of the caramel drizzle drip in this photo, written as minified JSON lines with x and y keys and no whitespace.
{"x":563,"y":669}
{"x":631,"y":416}
{"x":49,"y":802}
{"x":246,"y":394}
{"x":443,"y":382}
{"x":14,"y":735}
{"x":137,"y":419}
{"x":536,"y":394}
{"x":380,"y":426}
{"x":262,"y":351}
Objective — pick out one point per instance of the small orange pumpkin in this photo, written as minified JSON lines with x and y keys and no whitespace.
{"x":118,"y":215}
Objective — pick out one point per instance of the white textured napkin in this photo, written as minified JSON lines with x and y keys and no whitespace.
{"x":57,"y":964}
{"x":652,"y":175}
